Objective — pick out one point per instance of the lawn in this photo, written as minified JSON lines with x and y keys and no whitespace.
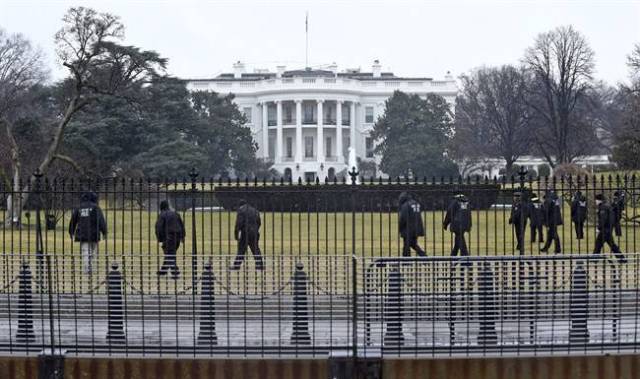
{"x":285,"y":239}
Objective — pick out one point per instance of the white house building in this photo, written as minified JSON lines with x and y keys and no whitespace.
{"x":305,"y":120}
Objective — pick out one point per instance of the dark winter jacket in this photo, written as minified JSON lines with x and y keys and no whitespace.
{"x":579,"y":209}
{"x":552,"y":210}
{"x":87,"y":221}
{"x":617,"y":206}
{"x":458,"y":217}
{"x":536,"y":214}
{"x":247,"y":221}
{"x":410,"y":219}
{"x":519,"y":213}
{"x":169,"y":223}
{"x":606,"y":218}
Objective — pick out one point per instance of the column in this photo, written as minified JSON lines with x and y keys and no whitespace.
{"x":339,"y":131}
{"x":265,"y":131}
{"x":352,"y":125}
{"x":320,"y":152}
{"x":298,"y":131}
{"x":278,"y":131}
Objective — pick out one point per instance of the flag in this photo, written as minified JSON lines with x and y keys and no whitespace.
{"x":306,"y":22}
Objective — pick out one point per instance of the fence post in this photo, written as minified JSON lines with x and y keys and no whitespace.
{"x":487,"y":333}
{"x":25,"y":306}
{"x":39,"y":246}
{"x":115,"y":311}
{"x":522,"y":173}
{"x":300,"y":334}
{"x":578,"y":306}
{"x":193,"y":174}
{"x":394,"y":309}
{"x":353,"y":174}
{"x":207,"y":334}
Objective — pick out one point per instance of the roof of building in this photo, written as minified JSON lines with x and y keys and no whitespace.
{"x":308,"y":72}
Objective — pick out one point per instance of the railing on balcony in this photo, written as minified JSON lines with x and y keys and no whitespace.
{"x":309,"y":121}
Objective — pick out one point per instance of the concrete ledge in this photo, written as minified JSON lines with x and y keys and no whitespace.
{"x":584,"y":367}
{"x":574,"y":367}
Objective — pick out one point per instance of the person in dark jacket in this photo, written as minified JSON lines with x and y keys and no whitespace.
{"x":458,"y":220}
{"x":410,"y":224}
{"x":247,"y":233}
{"x":518,"y":219}
{"x":553,"y":218}
{"x":536,"y":218}
{"x":605,"y":225}
{"x":86,"y":226}
{"x":170,"y":232}
{"x":618,"y":205}
{"x":579,"y":213}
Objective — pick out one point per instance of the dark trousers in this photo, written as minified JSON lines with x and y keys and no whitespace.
{"x":251,"y":240}
{"x":618,"y":228}
{"x":459,"y":245}
{"x":411,"y":242}
{"x":607,"y":238}
{"x":552,"y":236}
{"x":579,"y":226}
{"x":520,"y":228}
{"x":170,"y":247}
{"x":536,"y":229}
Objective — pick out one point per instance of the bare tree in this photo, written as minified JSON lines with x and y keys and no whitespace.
{"x":492,"y":114}
{"x":562,"y":63}
{"x":98,"y":66}
{"x":21,"y":68}
{"x":633,"y":60}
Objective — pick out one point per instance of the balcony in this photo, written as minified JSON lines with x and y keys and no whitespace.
{"x":289,"y":121}
{"x":329,"y":121}
{"x":309,"y":159}
{"x":309,"y":121}
{"x":272,"y":122}
{"x":331,"y":159}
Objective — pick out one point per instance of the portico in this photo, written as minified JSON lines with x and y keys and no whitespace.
{"x":308,"y":134}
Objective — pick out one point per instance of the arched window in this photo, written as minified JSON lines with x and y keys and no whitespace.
{"x":287,"y":174}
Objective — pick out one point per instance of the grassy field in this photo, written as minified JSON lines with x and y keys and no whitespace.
{"x":285,"y":239}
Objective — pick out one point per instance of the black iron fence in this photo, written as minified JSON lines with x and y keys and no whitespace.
{"x":333,"y":276}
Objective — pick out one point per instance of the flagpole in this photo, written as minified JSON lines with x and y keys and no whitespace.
{"x":306,"y":48}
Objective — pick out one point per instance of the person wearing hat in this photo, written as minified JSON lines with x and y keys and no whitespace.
{"x":618,"y":205}
{"x":518,"y":219}
{"x":169,"y":232}
{"x":410,"y":224}
{"x":536,"y":218}
{"x":247,"y":233}
{"x":605,"y":224}
{"x":552,"y":207}
{"x":86,"y":226}
{"x":458,"y":220}
{"x":579,"y":213}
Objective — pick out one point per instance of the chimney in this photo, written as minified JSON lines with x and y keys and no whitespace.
{"x":280,"y":71}
{"x":238,"y":70}
{"x":376,"y":68}
{"x":333,"y":67}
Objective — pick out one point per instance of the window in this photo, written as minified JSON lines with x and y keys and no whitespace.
{"x":369,"y":147}
{"x":345,"y":147}
{"x":271,"y":116}
{"x":272,"y":147}
{"x":247,"y":114}
{"x":288,"y":117}
{"x":346,"y":114}
{"x":328,"y":148}
{"x":368,"y":115}
{"x":309,"y":113}
{"x":308,"y":147}
{"x":289,"y":147}
{"x":329,"y":114}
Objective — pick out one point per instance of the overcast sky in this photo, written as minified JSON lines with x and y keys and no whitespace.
{"x":421,"y":38}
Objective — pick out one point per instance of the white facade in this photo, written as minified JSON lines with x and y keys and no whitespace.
{"x":304,"y":121}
